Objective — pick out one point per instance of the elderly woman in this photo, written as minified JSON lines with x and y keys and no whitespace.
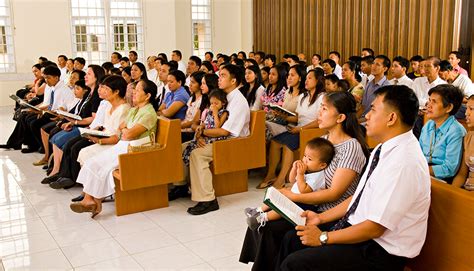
{"x":465,"y":176}
{"x":96,"y":174}
{"x":441,"y":137}
{"x":338,"y":117}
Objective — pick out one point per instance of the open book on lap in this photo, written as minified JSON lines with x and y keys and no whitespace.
{"x":96,"y":133}
{"x":281,"y":110}
{"x":284,"y":206}
{"x":69,"y":115}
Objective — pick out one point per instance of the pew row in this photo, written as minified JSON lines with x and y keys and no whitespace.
{"x":232,"y":158}
{"x":141,"y":181}
{"x":449,"y":242}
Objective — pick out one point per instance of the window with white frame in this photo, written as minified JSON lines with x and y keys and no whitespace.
{"x":201,"y":26}
{"x":101,"y":27}
{"x":126,"y":26}
{"x":7,"y":57}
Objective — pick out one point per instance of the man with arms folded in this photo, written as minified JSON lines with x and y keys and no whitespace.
{"x":385,"y":221}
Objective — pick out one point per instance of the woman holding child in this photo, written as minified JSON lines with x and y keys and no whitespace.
{"x":337,"y":115}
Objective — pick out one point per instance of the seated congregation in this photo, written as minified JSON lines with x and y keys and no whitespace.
{"x":235,"y":111}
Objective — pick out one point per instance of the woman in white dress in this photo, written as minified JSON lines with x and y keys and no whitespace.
{"x":114,"y":116}
{"x":96,"y":174}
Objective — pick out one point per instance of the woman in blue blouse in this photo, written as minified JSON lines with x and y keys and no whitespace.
{"x":442,"y":136}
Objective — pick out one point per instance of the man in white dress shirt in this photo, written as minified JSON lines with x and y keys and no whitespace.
{"x":385,"y":221}
{"x":236,"y":125}
{"x":62,"y":60}
{"x":366,"y":70}
{"x":115,"y":59}
{"x":194,"y":64}
{"x":429,"y":79}
{"x":399,"y":68}
{"x":334,"y":55}
{"x":177,"y":56}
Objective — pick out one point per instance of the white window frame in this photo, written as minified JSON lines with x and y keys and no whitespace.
{"x":7,"y":52}
{"x":201,"y":13}
{"x":103,"y":13}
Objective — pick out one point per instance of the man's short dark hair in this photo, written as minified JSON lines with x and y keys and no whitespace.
{"x":210,"y":53}
{"x":196,"y":60}
{"x":133,"y":53}
{"x":42,"y":58}
{"x":416,"y":58}
{"x":295,"y":58}
{"x":456,"y":53}
{"x":172,"y":64}
{"x":126,"y":59}
{"x":285,"y":56}
{"x":119,"y":55}
{"x":271,"y":57}
{"x":63,"y":57}
{"x":402,"y":61}
{"x":368,"y":59}
{"x":235,"y":72}
{"x":335,"y":53}
{"x":80,"y":60}
{"x":403,"y":100}
{"x":261,"y":54}
{"x":225,"y":58}
{"x":331,"y":63}
{"x":324,"y":148}
{"x":48,"y":63}
{"x":178,"y":53}
{"x":449,"y":95}
{"x":52,"y":71}
{"x":445,"y":66}
{"x":385,"y":60}
{"x":369,"y":50}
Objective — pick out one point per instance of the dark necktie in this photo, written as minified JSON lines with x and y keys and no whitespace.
{"x":342,"y":223}
{"x":51,"y":101}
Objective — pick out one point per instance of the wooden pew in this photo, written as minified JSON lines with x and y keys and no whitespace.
{"x":305,"y":136}
{"x":449,"y":242}
{"x":232,"y":158}
{"x":141,"y":182}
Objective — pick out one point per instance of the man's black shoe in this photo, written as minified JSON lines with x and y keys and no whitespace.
{"x":78,"y":198}
{"x":204,"y":207}
{"x":62,"y":182}
{"x":6,"y":146}
{"x":50,"y":179}
{"x":28,"y":150}
{"x":179,"y":191}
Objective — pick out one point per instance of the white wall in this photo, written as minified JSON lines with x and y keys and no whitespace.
{"x":43,"y":28}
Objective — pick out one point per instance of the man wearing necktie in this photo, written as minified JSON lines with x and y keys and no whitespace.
{"x":385,"y":221}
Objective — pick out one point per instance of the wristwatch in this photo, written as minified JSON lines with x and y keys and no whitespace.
{"x":323,"y":238}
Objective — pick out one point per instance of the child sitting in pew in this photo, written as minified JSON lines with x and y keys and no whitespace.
{"x":212,"y":117}
{"x":306,"y":176}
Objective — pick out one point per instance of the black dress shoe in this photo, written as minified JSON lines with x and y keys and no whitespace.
{"x":50,"y":179}
{"x":62,"y":182}
{"x":28,"y":150}
{"x":179,"y":191}
{"x":45,"y":167}
{"x":6,"y":146}
{"x":204,"y":207}
{"x":78,"y":198}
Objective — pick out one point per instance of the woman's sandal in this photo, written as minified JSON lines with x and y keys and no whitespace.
{"x":265,"y":184}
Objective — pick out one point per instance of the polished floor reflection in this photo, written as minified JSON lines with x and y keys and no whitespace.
{"x":39,"y":232}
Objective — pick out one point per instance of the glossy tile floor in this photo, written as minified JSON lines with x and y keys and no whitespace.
{"x":39,"y":231}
